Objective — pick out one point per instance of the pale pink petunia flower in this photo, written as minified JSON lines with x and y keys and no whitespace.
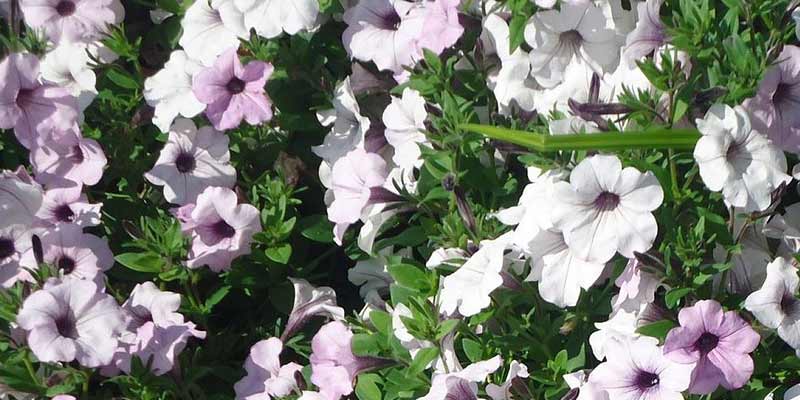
{"x":20,"y":197}
{"x":72,"y":320}
{"x":68,"y":205}
{"x":718,"y":343}
{"x":334,"y":367}
{"x":192,"y":160}
{"x":650,"y":33}
{"x":76,"y":254}
{"x":385,"y":32}
{"x":441,"y":28}
{"x":33,"y":109}
{"x":310,"y":301}
{"x":221,"y":229}
{"x":72,"y":20}
{"x":266,"y":377}
{"x":16,"y":255}
{"x":68,"y":157}
{"x":234,"y":92}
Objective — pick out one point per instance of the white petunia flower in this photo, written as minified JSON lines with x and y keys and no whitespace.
{"x":621,"y":324}
{"x":786,"y":228}
{"x":270,"y":18}
{"x":511,"y":83}
{"x":169,"y":91}
{"x":735,"y":159}
{"x":578,"y":31}
{"x":405,"y":122}
{"x":211,"y":29}
{"x":468,"y":289}
{"x":372,"y":275}
{"x":68,"y":66}
{"x":776,"y":304}
{"x":462,"y":384}
{"x":605,"y":209}
{"x":503,"y":392}
{"x":349,"y":126}
{"x":749,"y":267}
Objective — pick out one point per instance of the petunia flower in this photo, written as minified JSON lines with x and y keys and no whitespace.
{"x":441,"y":27}
{"x":718,"y":343}
{"x":786,"y":228}
{"x":222,"y":229}
{"x":234,"y":92}
{"x":266,"y":377}
{"x":68,"y":66}
{"x":462,"y":384}
{"x":76,"y":254}
{"x":33,"y":109}
{"x":776,"y":304}
{"x":356,"y":180}
{"x":20,"y":198}
{"x":636,"y":369}
{"x":348,"y":125}
{"x":16,"y":255}
{"x":737,"y":160}
{"x":72,"y":20}
{"x":385,"y":32}
{"x":650,"y":33}
{"x":68,"y":205}
{"x":67,"y":157}
{"x":72,"y":320}
{"x":512,"y":84}
{"x":636,"y":286}
{"x":516,"y":370}
{"x":270,"y":18}
{"x":372,"y":275}
{"x":210,"y":28}
{"x":749,"y":266}
{"x":773,"y":110}
{"x":334,"y":367}
{"x":191,"y":161}
{"x":605,"y":209}
{"x":582,"y":389}
{"x":169,"y":91}
{"x":405,"y":123}
{"x":468,"y":289}
{"x":310,"y":301}
{"x":577,"y":31}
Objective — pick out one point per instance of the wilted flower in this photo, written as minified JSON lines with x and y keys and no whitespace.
{"x":72,"y":20}
{"x":221,"y":229}
{"x":191,"y":161}
{"x":68,"y":205}
{"x":234,"y":92}
{"x":72,"y":320}
{"x":68,"y":157}
{"x":718,"y":343}
{"x":266,"y":377}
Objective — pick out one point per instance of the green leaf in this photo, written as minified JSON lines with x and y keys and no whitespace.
{"x":280,"y":254}
{"x":215,"y":298}
{"x":122,"y":79}
{"x":367,"y":388}
{"x":142,"y":262}
{"x":170,"y":5}
{"x":422,"y":359}
{"x":364,"y":344}
{"x":473,"y":349}
{"x":446,"y":327}
{"x":657,"y":329}
{"x":409,"y":276}
{"x":316,"y":228}
{"x":675,"y":295}
{"x":382,"y":321}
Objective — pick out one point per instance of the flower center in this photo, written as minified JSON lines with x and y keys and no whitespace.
{"x":235,"y":85}
{"x":76,"y":155}
{"x":66,"y":264}
{"x":6,"y":248}
{"x":707,"y":342}
{"x":222,"y":229}
{"x":646,"y":380}
{"x":783,"y":96}
{"x":63,"y":213}
{"x":606,"y":201}
{"x":789,"y":304}
{"x":23,"y":95}
{"x":571,"y":38}
{"x":65,"y":8}
{"x":66,"y":327}
{"x":184,"y":162}
{"x":733,"y":151}
{"x":460,"y":391}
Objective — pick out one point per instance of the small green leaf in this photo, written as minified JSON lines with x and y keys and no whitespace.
{"x":657,"y":329}
{"x":122,"y":79}
{"x":675,"y":295}
{"x":316,"y":228}
{"x":423,"y":358}
{"x":382,"y":321}
{"x":215,"y":298}
{"x":367,"y":388}
{"x":473,"y":349}
{"x":364,"y":344}
{"x":142,"y":262}
{"x":409,"y":276}
{"x":446,"y":327}
{"x":280,"y":254}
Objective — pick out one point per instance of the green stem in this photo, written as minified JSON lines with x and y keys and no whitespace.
{"x":650,"y":139}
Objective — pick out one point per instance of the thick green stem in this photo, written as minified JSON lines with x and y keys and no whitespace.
{"x":651,"y":139}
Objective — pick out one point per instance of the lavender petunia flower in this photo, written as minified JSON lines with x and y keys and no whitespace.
{"x":266,"y":377}
{"x":221,"y":229}
{"x":72,"y":320}
{"x":334,"y":367}
{"x":15,"y":255}
{"x":441,"y":28}
{"x":20,"y":198}
{"x":462,"y":384}
{"x":68,"y":205}
{"x":68,"y":158}
{"x":310,"y":301}
{"x":76,"y":254}
{"x":636,"y":369}
{"x":650,"y":32}
{"x":33,"y":109}
{"x":717,"y":342}
{"x":385,"y":32}
{"x":72,"y":20}
{"x":192,"y":160}
{"x":773,"y":110}
{"x":234,"y":92}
